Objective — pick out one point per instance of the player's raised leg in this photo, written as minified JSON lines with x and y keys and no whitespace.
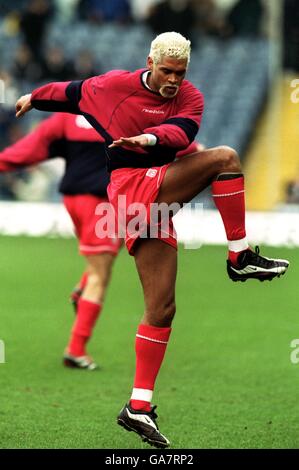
{"x":220,"y":167}
{"x":156,"y":263}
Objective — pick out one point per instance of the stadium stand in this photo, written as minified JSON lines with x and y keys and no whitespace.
{"x":232,"y":73}
{"x":234,"y":89}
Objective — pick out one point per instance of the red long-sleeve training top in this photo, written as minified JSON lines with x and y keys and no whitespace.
{"x":118,"y":104}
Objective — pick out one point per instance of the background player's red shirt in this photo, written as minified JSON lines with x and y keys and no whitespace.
{"x":72,"y":138}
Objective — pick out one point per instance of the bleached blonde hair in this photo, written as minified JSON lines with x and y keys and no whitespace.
{"x":170,"y":44}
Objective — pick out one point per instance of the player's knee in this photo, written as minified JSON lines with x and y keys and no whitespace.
{"x":96,"y":282}
{"x":161,"y":315}
{"x":229,"y":159}
{"x":168,"y":314}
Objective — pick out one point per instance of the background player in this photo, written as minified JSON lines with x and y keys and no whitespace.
{"x":83,"y":187}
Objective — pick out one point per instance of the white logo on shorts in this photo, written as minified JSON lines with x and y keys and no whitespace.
{"x":151,"y":173}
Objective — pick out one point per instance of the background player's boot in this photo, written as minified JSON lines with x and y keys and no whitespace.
{"x":74,"y":298}
{"x":144,"y":424}
{"x":79,"y":362}
{"x":250,"y":265}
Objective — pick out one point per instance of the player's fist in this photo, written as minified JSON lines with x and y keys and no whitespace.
{"x":23,"y":105}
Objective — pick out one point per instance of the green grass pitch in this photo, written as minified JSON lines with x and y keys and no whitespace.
{"x":227,"y":380}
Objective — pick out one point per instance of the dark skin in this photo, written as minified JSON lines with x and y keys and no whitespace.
{"x":155,"y":260}
{"x":167,"y":76}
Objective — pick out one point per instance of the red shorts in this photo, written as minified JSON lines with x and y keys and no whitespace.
{"x":82,"y":209}
{"x":139,"y":187}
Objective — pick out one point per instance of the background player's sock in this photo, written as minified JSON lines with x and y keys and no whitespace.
{"x":228,"y":194}
{"x":77,"y":291}
{"x":150,"y":347}
{"x":87,"y":315}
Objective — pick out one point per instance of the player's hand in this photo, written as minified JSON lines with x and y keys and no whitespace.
{"x":137,"y":141}
{"x":23,"y":105}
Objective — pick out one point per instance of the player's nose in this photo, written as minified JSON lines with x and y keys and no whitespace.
{"x":172,"y":79}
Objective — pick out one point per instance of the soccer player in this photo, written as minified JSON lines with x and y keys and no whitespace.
{"x":145,"y":117}
{"x":83,"y":186}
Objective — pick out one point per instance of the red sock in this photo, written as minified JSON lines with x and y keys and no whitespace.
{"x":150,"y":347}
{"x":87,"y":315}
{"x":229,"y":199}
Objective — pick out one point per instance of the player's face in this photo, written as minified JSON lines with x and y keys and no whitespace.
{"x":167,"y":76}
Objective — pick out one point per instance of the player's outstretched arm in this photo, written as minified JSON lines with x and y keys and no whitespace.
{"x":52,"y":97}
{"x":23,"y":105}
{"x":45,"y":141}
{"x":142,"y":140}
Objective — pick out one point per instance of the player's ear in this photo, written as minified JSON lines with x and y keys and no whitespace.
{"x":149,"y":63}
